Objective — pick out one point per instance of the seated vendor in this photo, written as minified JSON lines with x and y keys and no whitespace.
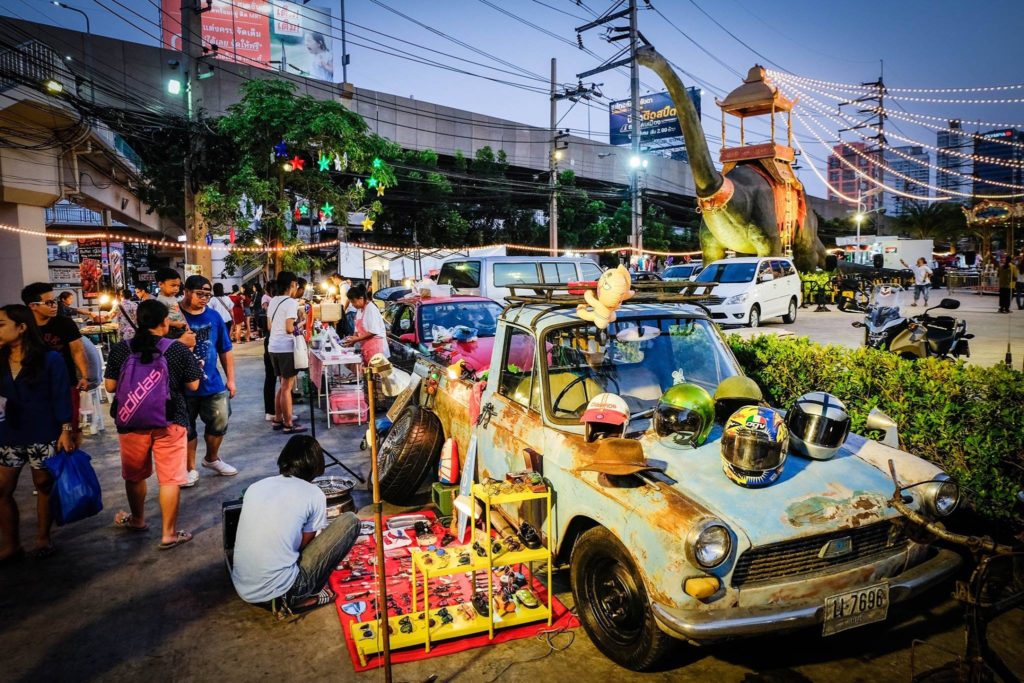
{"x":285,"y":549}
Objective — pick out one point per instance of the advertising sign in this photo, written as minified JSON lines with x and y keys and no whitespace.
{"x":658,"y":119}
{"x":115,"y":254}
{"x":90,"y":265}
{"x":271,"y":34}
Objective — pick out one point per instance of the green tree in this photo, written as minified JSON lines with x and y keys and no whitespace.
{"x":579,"y":216}
{"x":935,"y":221}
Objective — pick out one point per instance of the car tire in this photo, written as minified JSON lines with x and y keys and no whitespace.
{"x":790,"y":317}
{"x":409,"y":451}
{"x":754,"y":319}
{"x":612,"y":601}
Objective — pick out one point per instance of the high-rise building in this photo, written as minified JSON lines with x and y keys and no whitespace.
{"x":842,"y":176}
{"x":951,"y":145}
{"x":992,"y":145}
{"x":910,"y":174}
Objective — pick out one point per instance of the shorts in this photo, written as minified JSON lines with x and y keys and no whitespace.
{"x":214,"y":410}
{"x":167,"y":448}
{"x":34,"y":454}
{"x":283,"y":364}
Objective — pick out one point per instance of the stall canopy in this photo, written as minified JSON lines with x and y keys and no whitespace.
{"x":359,"y":262}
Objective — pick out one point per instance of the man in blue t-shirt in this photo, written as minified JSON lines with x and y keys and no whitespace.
{"x":211,"y":402}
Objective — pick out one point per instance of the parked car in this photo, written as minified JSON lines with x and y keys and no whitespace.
{"x":683,"y":553}
{"x":683,"y":271}
{"x":751,"y":289}
{"x":411,"y":322}
{"x":490,"y":276}
{"x":645,"y":276}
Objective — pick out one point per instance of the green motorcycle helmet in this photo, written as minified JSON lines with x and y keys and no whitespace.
{"x":733,"y":393}
{"x":685,"y":415}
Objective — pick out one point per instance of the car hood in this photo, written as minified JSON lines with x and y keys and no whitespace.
{"x":476,"y":354}
{"x":810,"y":497}
{"x":727,"y":289}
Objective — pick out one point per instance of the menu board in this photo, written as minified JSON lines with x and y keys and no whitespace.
{"x":90,"y":265}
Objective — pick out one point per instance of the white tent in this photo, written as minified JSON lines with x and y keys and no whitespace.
{"x":358,"y":262}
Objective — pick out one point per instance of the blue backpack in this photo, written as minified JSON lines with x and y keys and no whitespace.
{"x":143,"y":390}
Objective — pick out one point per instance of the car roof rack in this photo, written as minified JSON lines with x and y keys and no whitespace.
{"x":556,"y":296}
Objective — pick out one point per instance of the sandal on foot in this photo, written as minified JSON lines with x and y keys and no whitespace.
{"x":123,"y":520}
{"x":277,"y":426}
{"x":181,"y":538}
{"x":44,"y":552}
{"x":294,"y":429}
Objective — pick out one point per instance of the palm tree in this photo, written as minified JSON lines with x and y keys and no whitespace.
{"x":932,"y":220}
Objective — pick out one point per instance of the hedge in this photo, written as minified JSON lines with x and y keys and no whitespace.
{"x":967,"y":419}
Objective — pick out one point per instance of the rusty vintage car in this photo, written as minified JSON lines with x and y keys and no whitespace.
{"x":682,"y":554}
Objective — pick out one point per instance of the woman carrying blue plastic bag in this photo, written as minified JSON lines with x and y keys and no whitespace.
{"x":35,"y":405}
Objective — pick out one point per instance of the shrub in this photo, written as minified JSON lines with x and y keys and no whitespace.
{"x":967,"y":419}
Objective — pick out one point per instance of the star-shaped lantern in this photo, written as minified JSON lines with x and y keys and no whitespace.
{"x":371,"y":182}
{"x":298,"y":163}
{"x":281,"y":149}
{"x":367,"y":224}
{"x":380,"y":190}
{"x":304,"y":210}
{"x":324,"y":163}
{"x":327,"y":210}
{"x":297,"y":214}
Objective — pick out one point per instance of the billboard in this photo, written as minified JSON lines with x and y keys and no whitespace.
{"x":272,"y":34}
{"x":658,"y":118}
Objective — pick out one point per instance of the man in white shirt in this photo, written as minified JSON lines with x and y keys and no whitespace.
{"x":282,"y":312}
{"x":284,"y":549}
{"x":922,"y":279}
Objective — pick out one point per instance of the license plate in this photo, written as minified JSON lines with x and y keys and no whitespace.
{"x":855,"y":608}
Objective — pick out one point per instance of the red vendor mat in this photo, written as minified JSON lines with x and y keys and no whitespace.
{"x":354,"y":583}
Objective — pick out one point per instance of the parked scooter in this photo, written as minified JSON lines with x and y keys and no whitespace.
{"x":921,"y":336}
{"x":852,"y":296}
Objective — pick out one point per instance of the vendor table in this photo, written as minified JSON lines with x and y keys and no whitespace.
{"x":320,"y":371}
{"x":105,"y":333}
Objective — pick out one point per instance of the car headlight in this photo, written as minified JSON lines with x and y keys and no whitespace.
{"x":940,"y":497}
{"x":736,"y":299}
{"x":709,"y":544}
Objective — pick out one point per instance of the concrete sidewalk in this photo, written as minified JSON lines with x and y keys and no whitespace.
{"x":109,"y":606}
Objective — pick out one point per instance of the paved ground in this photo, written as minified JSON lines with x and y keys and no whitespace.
{"x":109,"y":606}
{"x":992,"y":331}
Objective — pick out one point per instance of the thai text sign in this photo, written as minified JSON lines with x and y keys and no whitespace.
{"x":658,"y":119}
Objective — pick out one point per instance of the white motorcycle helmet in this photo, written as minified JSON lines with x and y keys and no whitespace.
{"x":818,"y":425}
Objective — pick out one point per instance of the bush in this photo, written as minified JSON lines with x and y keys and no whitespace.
{"x":967,"y":419}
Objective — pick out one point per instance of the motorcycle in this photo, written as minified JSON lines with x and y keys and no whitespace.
{"x":921,"y":336}
{"x":851,"y":294}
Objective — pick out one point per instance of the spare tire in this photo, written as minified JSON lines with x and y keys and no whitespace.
{"x":410,"y":449}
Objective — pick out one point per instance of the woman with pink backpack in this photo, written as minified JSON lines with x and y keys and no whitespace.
{"x":148,"y":377}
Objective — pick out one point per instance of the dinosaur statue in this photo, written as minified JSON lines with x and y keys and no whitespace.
{"x":739,"y":209}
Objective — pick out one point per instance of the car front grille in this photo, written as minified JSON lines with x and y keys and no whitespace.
{"x":790,"y":559}
{"x":712,"y":300}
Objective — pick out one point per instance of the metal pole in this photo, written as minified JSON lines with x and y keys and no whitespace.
{"x":552,"y":164}
{"x":378,"y":533}
{"x":634,"y":93}
{"x":344,"y":51}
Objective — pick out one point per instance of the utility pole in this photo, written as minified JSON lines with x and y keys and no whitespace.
{"x":192,"y":53}
{"x":632,"y":33}
{"x":553,"y":166}
{"x":344,"y":50}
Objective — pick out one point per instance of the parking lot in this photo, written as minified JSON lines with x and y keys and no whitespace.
{"x":992,"y":331}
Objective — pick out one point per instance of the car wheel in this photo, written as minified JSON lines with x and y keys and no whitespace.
{"x":755,"y":316}
{"x":791,"y":316}
{"x":612,"y":601}
{"x":410,"y":449}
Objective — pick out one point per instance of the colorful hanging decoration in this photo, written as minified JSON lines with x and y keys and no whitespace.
{"x":297,"y":214}
{"x":377,"y":163}
{"x":231,"y":235}
{"x":209,"y":238}
{"x":304,"y":210}
{"x":359,"y":183}
{"x":327,"y":210}
{"x":281,"y":149}
{"x":340,"y":163}
{"x":380,"y":190}
{"x":324,"y":162}
{"x":371,"y":182}
{"x":367,"y":224}
{"x":298,"y":163}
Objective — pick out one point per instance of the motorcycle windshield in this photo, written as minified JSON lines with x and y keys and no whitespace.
{"x":880,"y":315}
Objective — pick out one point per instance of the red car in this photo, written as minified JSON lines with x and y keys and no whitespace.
{"x":411,"y":322}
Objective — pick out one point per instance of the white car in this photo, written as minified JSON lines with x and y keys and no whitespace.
{"x":751,"y":289}
{"x":490,"y":276}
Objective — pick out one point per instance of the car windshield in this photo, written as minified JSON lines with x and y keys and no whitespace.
{"x":680,"y":272}
{"x":728,"y":272}
{"x":460,"y":274}
{"x":481,"y":316}
{"x":636,"y":358}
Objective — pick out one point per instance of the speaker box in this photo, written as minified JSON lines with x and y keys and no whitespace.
{"x":831,"y":262}
{"x":878,"y":260}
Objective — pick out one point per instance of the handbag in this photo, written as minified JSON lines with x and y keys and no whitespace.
{"x":76,"y":491}
{"x":301,"y":353}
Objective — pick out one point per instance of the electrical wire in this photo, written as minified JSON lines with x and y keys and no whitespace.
{"x":734,"y":36}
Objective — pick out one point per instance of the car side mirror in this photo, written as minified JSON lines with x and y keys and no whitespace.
{"x":949,"y":304}
{"x":766,"y":277}
{"x":879,"y":420}
{"x":408,"y":338}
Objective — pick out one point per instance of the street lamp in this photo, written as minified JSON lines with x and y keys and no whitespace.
{"x":88,"y":45}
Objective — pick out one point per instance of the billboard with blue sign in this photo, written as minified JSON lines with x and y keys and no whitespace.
{"x":658,"y":118}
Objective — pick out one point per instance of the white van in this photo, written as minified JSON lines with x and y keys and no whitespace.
{"x":490,"y":276}
{"x":751,"y":289}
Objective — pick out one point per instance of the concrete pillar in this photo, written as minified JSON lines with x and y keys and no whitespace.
{"x":22,"y":257}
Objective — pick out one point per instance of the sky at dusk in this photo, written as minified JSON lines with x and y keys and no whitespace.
{"x":920,"y":44}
